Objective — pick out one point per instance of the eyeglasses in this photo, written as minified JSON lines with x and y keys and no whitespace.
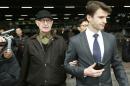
{"x":47,"y":20}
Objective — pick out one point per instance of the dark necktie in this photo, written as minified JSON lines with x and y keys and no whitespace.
{"x":96,"y":49}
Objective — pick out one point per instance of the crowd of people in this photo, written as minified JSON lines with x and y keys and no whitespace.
{"x":46,"y":58}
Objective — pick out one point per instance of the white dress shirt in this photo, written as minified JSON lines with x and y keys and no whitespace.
{"x":91,"y":39}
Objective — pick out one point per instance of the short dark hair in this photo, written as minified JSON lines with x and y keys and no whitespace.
{"x":82,"y":20}
{"x":93,"y":6}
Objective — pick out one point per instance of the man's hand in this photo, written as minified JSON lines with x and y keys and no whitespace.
{"x":7,"y":54}
{"x":90,"y":71}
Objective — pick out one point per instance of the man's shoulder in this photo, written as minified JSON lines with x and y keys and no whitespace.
{"x":108,"y":34}
{"x":77,"y":36}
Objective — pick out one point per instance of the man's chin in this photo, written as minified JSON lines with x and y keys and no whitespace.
{"x":45,"y":31}
{"x":102,"y":28}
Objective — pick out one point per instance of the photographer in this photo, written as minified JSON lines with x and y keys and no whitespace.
{"x":9,"y":68}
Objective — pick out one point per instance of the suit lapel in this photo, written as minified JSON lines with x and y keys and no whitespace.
{"x":88,"y":54}
{"x":106,"y":46}
{"x":86,"y":48}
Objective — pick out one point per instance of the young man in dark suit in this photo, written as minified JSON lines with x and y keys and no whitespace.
{"x":95,"y":46}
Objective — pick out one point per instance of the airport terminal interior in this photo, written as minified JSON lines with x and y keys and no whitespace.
{"x":66,"y":14}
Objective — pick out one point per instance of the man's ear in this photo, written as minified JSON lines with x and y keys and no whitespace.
{"x":36,"y":22}
{"x":88,"y":17}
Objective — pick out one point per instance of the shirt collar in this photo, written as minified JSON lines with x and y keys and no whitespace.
{"x":90,"y":33}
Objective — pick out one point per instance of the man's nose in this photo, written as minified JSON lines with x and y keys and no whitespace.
{"x":45,"y":22}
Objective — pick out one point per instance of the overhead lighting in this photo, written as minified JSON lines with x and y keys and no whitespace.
{"x":26,"y":7}
{"x":112,"y":6}
{"x":48,"y":6}
{"x":21,"y":19}
{"x":69,"y":6}
{"x":66,"y":17}
{"x":108,"y":17}
{"x":4,"y":7}
{"x":54,"y":15}
{"x":24,"y":15}
{"x":55,"y":18}
{"x":126,"y":6}
{"x":8,"y":15}
{"x":8,"y":19}
{"x":32,"y":18}
{"x":67,"y":14}
{"x":80,"y":14}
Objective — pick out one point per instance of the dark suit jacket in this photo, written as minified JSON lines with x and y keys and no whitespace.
{"x":79,"y":49}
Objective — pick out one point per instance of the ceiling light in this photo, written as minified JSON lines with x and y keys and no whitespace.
{"x":108,"y":17}
{"x":69,"y":6}
{"x":66,"y":17}
{"x":54,"y":15}
{"x":8,"y":19}
{"x":32,"y":18}
{"x":80,"y":14}
{"x":21,"y":19}
{"x":24,"y":15}
{"x":112,"y":6}
{"x":126,"y":6}
{"x":55,"y":18}
{"x":67,"y":14}
{"x":8,"y":15}
{"x":26,"y":7}
{"x":48,"y":6}
{"x":4,"y":7}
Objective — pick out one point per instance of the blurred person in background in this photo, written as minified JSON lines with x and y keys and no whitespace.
{"x":82,"y":25}
{"x":19,"y":42}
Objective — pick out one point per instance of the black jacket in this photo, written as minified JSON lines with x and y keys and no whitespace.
{"x":43,"y":65}
{"x":9,"y":71}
